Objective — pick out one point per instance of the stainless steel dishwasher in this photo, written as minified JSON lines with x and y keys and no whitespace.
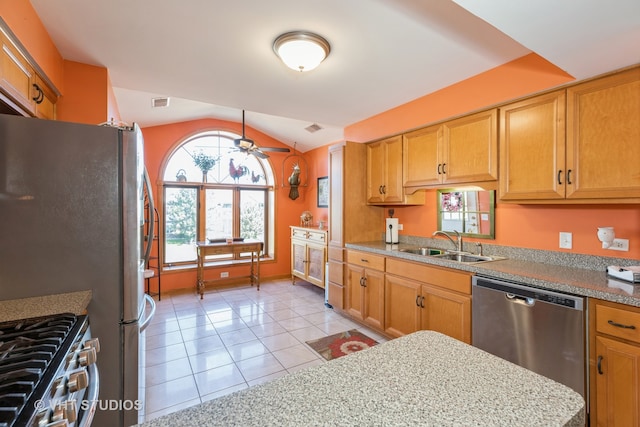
{"x":541,"y":330}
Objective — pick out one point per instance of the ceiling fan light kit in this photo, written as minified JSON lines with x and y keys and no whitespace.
{"x":247,"y":145}
{"x":301,"y":50}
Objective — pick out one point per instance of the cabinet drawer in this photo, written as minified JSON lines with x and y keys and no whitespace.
{"x":365,"y":259}
{"x":442,"y":277}
{"x":309,"y":234}
{"x":618,"y":322}
{"x":336,"y":253}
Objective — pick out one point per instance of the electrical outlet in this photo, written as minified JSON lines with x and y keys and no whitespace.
{"x":400,"y":227}
{"x":566,"y":240}
{"x":620,"y":245}
{"x":224,"y":274}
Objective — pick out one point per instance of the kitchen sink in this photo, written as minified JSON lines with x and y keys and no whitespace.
{"x":467,"y":258}
{"x":423,"y":251}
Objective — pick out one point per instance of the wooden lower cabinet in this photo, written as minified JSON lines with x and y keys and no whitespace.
{"x":308,"y":255}
{"x":366,"y":295}
{"x":365,"y":288}
{"x":427,"y":298}
{"x":614,"y":364}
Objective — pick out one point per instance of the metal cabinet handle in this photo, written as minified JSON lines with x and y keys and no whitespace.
{"x":364,"y":260}
{"x":40,"y":96}
{"x":569,"y":177}
{"x":418,"y":299}
{"x":600,"y":365}
{"x":364,"y":282}
{"x":439,"y":171}
{"x":444,"y":168}
{"x":620,"y":325}
{"x":380,"y":190}
{"x":422,"y":302}
{"x":560,"y":177}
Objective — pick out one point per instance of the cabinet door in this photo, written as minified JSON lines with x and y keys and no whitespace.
{"x":401,"y":306}
{"x":532,"y":148}
{"x":375,"y":171}
{"x":446,"y":312}
{"x":355,"y":291}
{"x":316,"y":259}
{"x":374,"y":299}
{"x":603,"y":130}
{"x":298,"y":258}
{"x":393,"y":190}
{"x":421,"y":164}
{"x":471,"y":148}
{"x":336,"y":204}
{"x":617,"y":383}
{"x":45,"y":104}
{"x":16,"y":75}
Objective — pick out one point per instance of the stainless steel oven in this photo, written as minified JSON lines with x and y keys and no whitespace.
{"x":48,"y":374}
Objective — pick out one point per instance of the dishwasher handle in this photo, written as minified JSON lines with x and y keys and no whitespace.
{"x":517,"y":299}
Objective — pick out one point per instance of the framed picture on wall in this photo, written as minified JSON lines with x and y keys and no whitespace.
{"x":323,"y":192}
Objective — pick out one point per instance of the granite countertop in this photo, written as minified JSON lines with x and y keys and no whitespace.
{"x":24,"y":308}
{"x":424,"y":378}
{"x":582,"y":275}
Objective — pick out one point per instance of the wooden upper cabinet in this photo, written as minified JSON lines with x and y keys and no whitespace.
{"x":384,"y":174}
{"x":421,"y":159}
{"x":459,"y":151}
{"x":471,"y":148}
{"x":603,"y":137}
{"x":578,"y":145}
{"x":16,"y":75}
{"x":532,"y":148}
{"x":21,"y":85}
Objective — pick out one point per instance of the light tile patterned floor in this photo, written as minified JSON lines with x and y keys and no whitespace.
{"x":234,"y":338}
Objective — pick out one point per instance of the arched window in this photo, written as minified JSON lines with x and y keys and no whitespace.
{"x":213,"y":191}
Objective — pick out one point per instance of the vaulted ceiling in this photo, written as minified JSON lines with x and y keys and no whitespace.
{"x":214,"y":58}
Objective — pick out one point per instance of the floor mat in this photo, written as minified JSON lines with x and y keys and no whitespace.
{"x":341,"y":344}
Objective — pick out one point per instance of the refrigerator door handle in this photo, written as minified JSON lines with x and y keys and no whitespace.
{"x":152,"y":313}
{"x":152,"y":218}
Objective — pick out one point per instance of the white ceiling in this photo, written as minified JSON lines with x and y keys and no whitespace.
{"x":214,"y":58}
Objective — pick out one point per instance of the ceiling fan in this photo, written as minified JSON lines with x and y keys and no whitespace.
{"x":248,"y":146}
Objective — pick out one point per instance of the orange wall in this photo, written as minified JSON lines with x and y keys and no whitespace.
{"x":160,"y":142}
{"x":529,"y":226}
{"x":86,"y":98}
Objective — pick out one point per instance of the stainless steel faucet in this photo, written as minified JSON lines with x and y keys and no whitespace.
{"x":456,"y":244}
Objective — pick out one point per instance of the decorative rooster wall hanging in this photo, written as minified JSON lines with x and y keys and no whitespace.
{"x":294,"y":182}
{"x":237,"y":172}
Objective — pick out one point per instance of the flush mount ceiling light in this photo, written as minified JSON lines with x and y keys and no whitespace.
{"x":301,"y":50}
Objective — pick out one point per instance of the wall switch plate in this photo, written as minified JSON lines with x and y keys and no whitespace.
{"x":224,"y":274}
{"x":620,"y":245}
{"x":566,"y":240}
{"x":400,"y":227}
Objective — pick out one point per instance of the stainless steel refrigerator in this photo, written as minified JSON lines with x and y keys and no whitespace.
{"x":71,"y":219}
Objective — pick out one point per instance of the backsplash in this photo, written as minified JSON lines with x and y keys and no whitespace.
{"x":589,"y":262}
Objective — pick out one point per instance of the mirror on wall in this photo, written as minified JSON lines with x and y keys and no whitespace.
{"x":471,"y":212}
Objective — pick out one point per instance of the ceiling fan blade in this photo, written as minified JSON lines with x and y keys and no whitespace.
{"x":259,"y":154}
{"x":278,"y":149}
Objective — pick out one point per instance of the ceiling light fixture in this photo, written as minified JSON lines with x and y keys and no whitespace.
{"x":301,"y":50}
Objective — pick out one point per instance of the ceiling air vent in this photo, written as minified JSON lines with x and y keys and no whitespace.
{"x":313,"y":128}
{"x":160,"y":102}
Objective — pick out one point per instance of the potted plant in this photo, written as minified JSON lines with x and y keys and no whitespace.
{"x":204,"y":162}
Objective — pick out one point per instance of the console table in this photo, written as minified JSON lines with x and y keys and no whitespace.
{"x":205,"y":249}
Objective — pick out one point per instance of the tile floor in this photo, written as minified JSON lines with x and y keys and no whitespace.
{"x":234,"y":338}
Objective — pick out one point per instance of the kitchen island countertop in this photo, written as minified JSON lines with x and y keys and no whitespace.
{"x":24,"y":308}
{"x":424,"y":378}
